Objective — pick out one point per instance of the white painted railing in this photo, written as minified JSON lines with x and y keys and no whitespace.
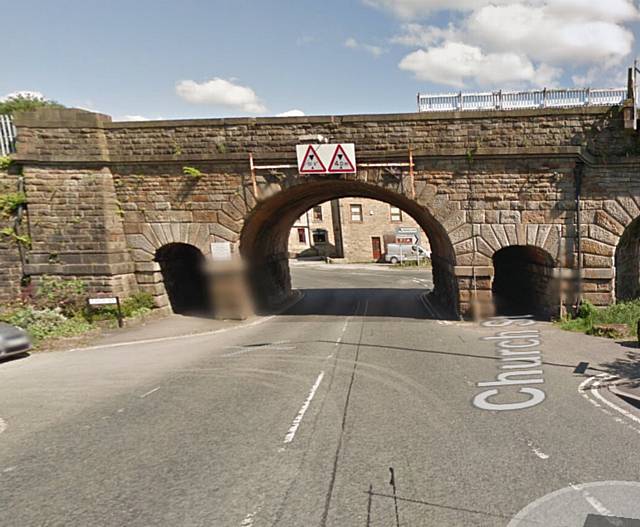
{"x":502,"y":100}
{"x":7,"y":135}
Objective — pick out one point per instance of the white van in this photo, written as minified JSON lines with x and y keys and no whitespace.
{"x":400,"y":252}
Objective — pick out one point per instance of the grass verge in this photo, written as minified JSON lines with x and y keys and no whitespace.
{"x":589,"y":317}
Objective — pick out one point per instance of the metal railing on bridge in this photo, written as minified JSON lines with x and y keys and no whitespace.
{"x":7,"y":135}
{"x":517,"y":100}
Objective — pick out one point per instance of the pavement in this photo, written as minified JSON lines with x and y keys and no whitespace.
{"x":354,"y":407}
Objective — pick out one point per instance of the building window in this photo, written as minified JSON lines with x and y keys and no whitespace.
{"x":356,"y":212}
{"x":317,"y":213}
{"x":396,"y":214}
{"x":319,"y":236}
{"x":302,"y":236}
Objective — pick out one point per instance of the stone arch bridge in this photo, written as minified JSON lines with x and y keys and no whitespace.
{"x":537,"y":206}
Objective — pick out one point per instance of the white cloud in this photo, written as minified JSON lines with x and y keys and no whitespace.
{"x":417,"y":35}
{"x":566,"y":39}
{"x":220,"y":92}
{"x":614,"y":10}
{"x":352,"y":43}
{"x":455,"y":64}
{"x":539,"y":39}
{"x":133,"y":118}
{"x":419,"y":8}
{"x":291,"y":113}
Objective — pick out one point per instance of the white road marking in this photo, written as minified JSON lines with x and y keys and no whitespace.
{"x":536,"y":450}
{"x":9,"y":469}
{"x":149,"y":392}
{"x":177,"y":337}
{"x":296,"y":422}
{"x":594,"y":390}
{"x":596,"y":504}
{"x":3,"y":425}
{"x":248,"y":520}
{"x":622,"y":411}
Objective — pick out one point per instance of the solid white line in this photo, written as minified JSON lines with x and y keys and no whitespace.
{"x":296,"y":422}
{"x":177,"y":337}
{"x":149,"y":392}
{"x":624,"y":412}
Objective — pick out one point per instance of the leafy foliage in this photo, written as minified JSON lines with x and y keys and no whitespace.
{"x":23,"y":102}
{"x":68,"y":296}
{"x":134,"y":306}
{"x":10,"y":232}
{"x":11,"y":202}
{"x":5,"y":162}
{"x":45,"y":323}
{"x":589,"y":316}
{"x":192,"y":172}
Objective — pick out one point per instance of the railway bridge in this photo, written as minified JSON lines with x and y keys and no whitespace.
{"x":528,"y":209}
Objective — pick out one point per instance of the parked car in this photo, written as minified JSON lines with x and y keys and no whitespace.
{"x":400,"y":252}
{"x":13,"y":340}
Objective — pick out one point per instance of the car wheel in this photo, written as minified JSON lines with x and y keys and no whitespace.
{"x":394,"y":260}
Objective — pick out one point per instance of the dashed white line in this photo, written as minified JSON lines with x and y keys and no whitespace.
{"x":296,"y":422}
{"x":149,"y":392}
{"x":248,"y":520}
{"x":3,"y":425}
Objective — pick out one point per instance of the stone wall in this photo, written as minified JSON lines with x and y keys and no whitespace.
{"x":10,"y":263}
{"x":482,"y":181}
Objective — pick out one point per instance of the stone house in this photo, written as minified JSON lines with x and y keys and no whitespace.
{"x":357,"y":229}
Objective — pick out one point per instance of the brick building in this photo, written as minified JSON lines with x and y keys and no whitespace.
{"x":356,"y":229}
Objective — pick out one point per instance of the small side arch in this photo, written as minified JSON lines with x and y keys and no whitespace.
{"x":525,"y":282}
{"x":183,"y":274}
{"x":627,"y":262}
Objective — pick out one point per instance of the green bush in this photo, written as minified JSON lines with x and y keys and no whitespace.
{"x":134,"y":306}
{"x":67,"y":295}
{"x":589,"y":316}
{"x":11,"y":202}
{"x":45,"y":323}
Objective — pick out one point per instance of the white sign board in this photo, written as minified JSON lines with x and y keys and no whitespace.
{"x":407,"y":235}
{"x":103,"y":301}
{"x":221,"y":251}
{"x":326,"y":159}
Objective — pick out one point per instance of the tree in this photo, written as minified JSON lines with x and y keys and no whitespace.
{"x":22,"y":101}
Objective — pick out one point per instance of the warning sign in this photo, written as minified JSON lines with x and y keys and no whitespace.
{"x":311,"y":162}
{"x":326,"y":159}
{"x":340,"y":162}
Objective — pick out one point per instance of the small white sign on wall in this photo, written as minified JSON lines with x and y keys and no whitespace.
{"x":221,"y":251}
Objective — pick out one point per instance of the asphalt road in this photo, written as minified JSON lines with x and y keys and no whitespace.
{"x":296,"y":420}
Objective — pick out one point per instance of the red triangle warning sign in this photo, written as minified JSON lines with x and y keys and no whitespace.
{"x":311,"y":162}
{"x":340,"y":162}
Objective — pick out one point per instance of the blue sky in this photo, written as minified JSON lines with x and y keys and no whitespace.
{"x":264,"y":57}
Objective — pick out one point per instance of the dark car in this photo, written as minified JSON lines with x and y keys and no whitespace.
{"x":13,"y":340}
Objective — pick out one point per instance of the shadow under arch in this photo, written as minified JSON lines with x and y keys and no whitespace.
{"x":264,"y":238}
{"x":185,"y":281}
{"x":627,"y":263}
{"x":525,"y":282}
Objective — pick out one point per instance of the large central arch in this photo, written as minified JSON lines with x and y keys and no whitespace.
{"x":264,"y":237}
